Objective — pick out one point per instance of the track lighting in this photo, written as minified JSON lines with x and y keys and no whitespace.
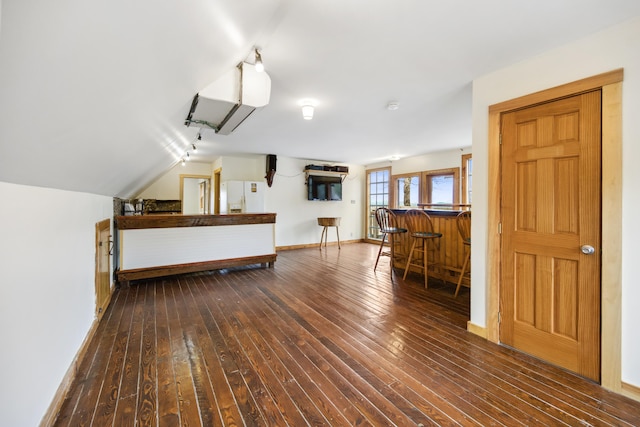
{"x":193,"y":144}
{"x":183,"y":162}
{"x":258,"y":63}
{"x":188,"y":156}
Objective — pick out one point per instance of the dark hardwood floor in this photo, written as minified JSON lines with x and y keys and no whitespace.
{"x":320,"y":339}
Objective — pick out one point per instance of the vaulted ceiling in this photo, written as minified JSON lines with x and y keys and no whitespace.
{"x":94,"y":94}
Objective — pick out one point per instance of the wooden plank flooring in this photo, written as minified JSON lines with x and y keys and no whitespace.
{"x":320,"y":339}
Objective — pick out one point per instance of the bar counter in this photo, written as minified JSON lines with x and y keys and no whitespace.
{"x":452,"y":250}
{"x":163,"y":245}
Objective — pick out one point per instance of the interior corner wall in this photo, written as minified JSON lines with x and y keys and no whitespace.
{"x":297,"y":217}
{"x":433,"y":161}
{"x":167,"y":187}
{"x":246,"y":168}
{"x":616,"y":47}
{"x":47,"y":292}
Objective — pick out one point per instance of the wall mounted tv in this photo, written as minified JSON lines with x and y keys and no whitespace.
{"x":324,"y":187}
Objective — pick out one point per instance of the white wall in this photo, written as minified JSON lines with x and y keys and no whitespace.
{"x":438,"y":160}
{"x":47,"y":296}
{"x":432,"y":161}
{"x":617,"y":47}
{"x":297,"y":217}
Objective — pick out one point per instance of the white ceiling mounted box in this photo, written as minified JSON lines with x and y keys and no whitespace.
{"x":228,"y":101}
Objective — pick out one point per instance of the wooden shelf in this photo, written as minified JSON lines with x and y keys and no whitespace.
{"x":318,"y":172}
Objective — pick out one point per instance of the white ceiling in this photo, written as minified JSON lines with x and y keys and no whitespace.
{"x":93,"y":94}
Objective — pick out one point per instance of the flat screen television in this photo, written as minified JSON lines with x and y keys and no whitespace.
{"x":324,"y":187}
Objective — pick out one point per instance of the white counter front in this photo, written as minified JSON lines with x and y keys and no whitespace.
{"x":163,"y":245}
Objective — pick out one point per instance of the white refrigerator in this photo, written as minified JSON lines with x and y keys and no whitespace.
{"x":242,"y":197}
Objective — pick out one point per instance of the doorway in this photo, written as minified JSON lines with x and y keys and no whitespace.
{"x":195,"y":192}
{"x":611,"y":85}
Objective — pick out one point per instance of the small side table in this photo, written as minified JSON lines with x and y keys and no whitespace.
{"x":328,"y":222}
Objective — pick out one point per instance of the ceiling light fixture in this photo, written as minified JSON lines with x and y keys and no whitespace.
{"x":188,"y":156}
{"x":308,"y":107}
{"x":258,"y":63}
{"x":393,"y":105}
{"x":307,"y":112}
{"x":194,"y":147}
{"x":183,"y":162}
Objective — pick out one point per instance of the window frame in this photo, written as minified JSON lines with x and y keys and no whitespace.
{"x":370,"y":221}
{"x":465,"y":179}
{"x":426,"y":177}
{"x":394,"y":180}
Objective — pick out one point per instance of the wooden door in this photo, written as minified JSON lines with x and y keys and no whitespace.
{"x":550,"y":289}
{"x":103,"y":249}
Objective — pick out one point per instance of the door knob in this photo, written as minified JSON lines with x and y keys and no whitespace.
{"x":587,"y":249}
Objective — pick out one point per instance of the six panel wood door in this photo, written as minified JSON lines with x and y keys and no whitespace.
{"x":550,"y":289}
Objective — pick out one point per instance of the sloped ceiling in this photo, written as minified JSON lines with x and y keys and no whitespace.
{"x":93,"y":95}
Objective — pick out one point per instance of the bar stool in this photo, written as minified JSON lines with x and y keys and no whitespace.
{"x":328,"y":222}
{"x":388,"y":224}
{"x":464,"y":229}
{"x":421,"y":228}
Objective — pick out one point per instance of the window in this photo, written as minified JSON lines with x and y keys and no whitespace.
{"x":467,"y":168}
{"x":377,"y":197}
{"x":441,"y":187}
{"x":406,"y":191}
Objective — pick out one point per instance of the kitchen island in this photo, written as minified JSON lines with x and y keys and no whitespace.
{"x":164,"y":245}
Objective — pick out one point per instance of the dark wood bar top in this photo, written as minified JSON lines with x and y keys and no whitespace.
{"x":431,"y":212}
{"x":171,"y":221}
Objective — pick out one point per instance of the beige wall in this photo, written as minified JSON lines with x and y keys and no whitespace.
{"x":167,"y":187}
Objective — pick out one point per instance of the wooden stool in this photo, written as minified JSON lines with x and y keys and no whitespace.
{"x":388,"y":225}
{"x":421,"y":228}
{"x":464,"y":229}
{"x":328,"y":222}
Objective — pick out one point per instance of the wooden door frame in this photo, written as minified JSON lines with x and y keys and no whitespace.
{"x":611,"y":273}
{"x":216,"y":191}
{"x":193,"y":176}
